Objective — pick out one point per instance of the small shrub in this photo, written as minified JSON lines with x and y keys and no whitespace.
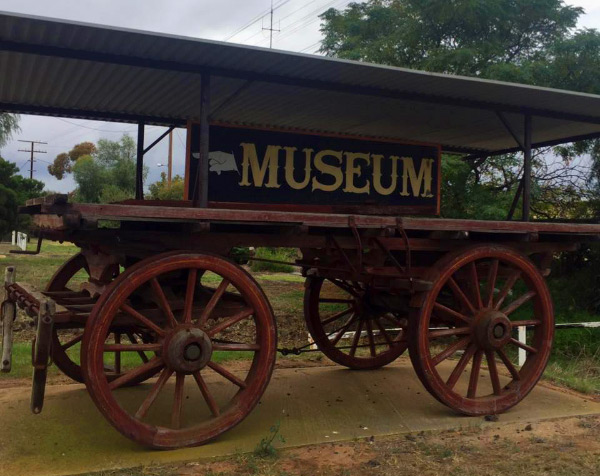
{"x":265,"y":448}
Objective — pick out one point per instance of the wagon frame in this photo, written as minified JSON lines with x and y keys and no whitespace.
{"x":160,"y":284}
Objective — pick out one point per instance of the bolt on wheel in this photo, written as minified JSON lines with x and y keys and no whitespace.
{"x":479,"y":299}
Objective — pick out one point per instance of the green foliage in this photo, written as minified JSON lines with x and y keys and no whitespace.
{"x":103,"y":173}
{"x":90,"y":176}
{"x":9,"y":124}
{"x":459,"y":36}
{"x":161,"y":190}
{"x":63,"y":163}
{"x":276,"y":254}
{"x":265,"y":448}
{"x":14,"y":191}
{"x":526,"y":41}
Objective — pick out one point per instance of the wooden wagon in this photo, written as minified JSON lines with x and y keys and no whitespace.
{"x":338,"y":159}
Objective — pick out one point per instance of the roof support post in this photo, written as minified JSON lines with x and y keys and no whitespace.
{"x":527,"y":168}
{"x":201,"y":189}
{"x":139,"y":168}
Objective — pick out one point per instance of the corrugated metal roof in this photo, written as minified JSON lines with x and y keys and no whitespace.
{"x":80,"y":70}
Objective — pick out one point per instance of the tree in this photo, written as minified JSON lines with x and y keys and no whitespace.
{"x":9,"y":124}
{"x":162,"y":191}
{"x":63,"y":163}
{"x":527,"y":41}
{"x":14,"y":191}
{"x":104,"y":172}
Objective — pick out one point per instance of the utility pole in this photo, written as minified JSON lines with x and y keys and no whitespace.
{"x":170,"y":166}
{"x":271,"y":29}
{"x":32,"y":151}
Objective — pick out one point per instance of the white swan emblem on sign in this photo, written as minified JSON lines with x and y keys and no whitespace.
{"x":219,"y":161}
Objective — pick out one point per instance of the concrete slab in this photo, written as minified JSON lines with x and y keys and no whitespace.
{"x":314,"y":405}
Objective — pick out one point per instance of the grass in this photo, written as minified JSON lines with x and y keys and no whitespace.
{"x":276,"y":254}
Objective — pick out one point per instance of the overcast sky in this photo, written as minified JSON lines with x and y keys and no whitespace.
{"x":228,"y":20}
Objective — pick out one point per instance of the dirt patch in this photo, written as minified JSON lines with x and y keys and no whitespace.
{"x":559,"y":447}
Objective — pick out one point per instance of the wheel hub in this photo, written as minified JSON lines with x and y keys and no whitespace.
{"x":492,"y":330}
{"x":187,"y":350}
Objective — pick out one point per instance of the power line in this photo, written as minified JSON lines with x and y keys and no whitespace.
{"x":257,"y":18}
{"x":94,"y":128}
{"x":32,"y":151}
{"x":302,"y":23}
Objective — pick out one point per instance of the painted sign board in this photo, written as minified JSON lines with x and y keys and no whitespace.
{"x":280,"y":170}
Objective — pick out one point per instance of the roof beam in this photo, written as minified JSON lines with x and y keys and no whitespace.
{"x":550,"y":143}
{"x":167,"y":122}
{"x":94,"y":56}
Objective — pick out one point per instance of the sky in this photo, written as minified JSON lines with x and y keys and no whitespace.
{"x":239,"y":21}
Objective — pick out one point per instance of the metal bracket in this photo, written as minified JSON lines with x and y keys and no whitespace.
{"x":41,"y":353}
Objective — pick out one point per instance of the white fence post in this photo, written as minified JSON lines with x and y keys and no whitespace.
{"x":19,"y":240}
{"x":522,"y":338}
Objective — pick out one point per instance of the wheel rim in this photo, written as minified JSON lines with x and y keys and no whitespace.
{"x":349,"y":328}
{"x":479,"y":299}
{"x":234,"y":316}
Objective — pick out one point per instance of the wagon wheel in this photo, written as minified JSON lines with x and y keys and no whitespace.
{"x":334,"y":309}
{"x":478,"y":300}
{"x":64,"y":339}
{"x":219,"y":313}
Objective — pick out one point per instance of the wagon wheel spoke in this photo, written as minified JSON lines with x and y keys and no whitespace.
{"x":212,"y":404}
{"x":71,"y":342}
{"x":357,"y":336}
{"x":117,"y":351}
{"x":370,"y":338}
{"x":177,"y":400}
{"x":508,"y":364}
{"x":529,"y":323}
{"x":345,"y":287}
{"x":528,"y":348}
{"x":384,"y":333}
{"x":153,"y":364}
{"x":451,"y":313}
{"x":190,"y":290}
{"x":451,"y":350}
{"x":151,"y":397}
{"x":230,"y":321}
{"x":137,"y":347}
{"x":517,"y":303}
{"x":142,"y":319}
{"x":134,"y":341}
{"x":491,"y":283}
{"x":460,"y":295}
{"x":213,"y":301}
{"x":163,"y":302}
{"x":460,"y":366}
{"x":456,"y":331}
{"x":491,"y":360}
{"x":474,"y":285}
{"x":343,"y":330}
{"x":227,"y":374}
{"x":337,"y":316}
{"x":475,"y":370}
{"x":508,"y":285}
